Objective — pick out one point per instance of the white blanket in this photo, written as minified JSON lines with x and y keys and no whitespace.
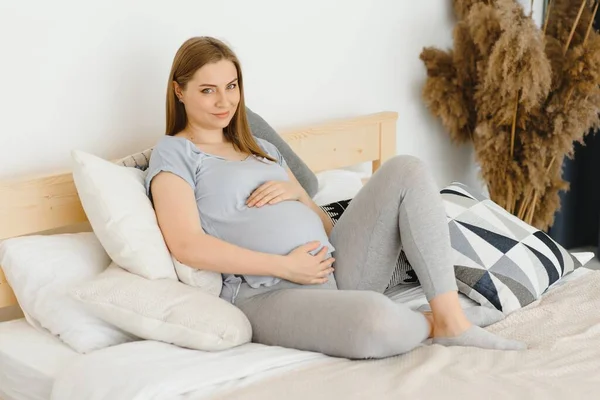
{"x":562,"y":329}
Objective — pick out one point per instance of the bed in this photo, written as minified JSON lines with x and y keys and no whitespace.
{"x":563,"y":327}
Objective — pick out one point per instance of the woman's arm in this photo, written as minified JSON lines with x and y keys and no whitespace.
{"x":179,"y":222}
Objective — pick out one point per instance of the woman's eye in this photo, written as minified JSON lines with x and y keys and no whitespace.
{"x":232,"y":86}
{"x":207,"y":91}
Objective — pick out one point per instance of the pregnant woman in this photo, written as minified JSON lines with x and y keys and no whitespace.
{"x":227,"y":202}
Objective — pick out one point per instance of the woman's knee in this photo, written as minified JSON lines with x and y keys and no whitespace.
{"x":403,"y":172}
{"x":406,"y":165}
{"x":383,"y":330}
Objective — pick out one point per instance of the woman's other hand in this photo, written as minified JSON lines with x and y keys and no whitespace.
{"x":304,"y":268}
{"x":273,"y":192}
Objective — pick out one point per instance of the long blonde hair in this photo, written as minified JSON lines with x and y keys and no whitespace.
{"x":193,"y":54}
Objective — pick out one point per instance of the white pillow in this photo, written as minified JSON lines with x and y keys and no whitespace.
{"x":209,"y":281}
{"x":336,"y":185}
{"x":121,"y":214}
{"x":164,"y":310}
{"x":41,"y":270}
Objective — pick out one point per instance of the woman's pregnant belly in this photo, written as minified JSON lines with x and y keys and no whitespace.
{"x":274,"y":229}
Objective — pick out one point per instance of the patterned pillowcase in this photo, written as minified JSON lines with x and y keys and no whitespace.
{"x":138,"y":160}
{"x":499,"y":260}
{"x":403,"y":273}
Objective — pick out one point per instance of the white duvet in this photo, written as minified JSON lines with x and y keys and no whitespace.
{"x":154,"y":370}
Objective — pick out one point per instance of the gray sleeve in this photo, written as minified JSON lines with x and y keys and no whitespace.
{"x":272,"y":150}
{"x":261,"y":129}
{"x":171,"y":156}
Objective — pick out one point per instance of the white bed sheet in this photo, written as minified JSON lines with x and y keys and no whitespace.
{"x":30,"y":360}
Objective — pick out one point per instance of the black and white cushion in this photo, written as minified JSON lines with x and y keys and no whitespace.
{"x":499,"y":260}
{"x":404,"y":274}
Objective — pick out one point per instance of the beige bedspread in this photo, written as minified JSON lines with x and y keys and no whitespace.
{"x":563,"y":362}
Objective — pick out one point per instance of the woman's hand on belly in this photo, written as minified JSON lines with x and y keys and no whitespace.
{"x":303,"y":268}
{"x":273,"y":192}
{"x":292,"y":190}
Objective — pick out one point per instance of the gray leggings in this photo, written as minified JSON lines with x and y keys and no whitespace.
{"x":399,"y":207}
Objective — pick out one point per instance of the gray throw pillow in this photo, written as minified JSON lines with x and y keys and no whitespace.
{"x":261,"y":129}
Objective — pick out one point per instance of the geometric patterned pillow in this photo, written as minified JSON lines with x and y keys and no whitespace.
{"x":403,"y":273}
{"x":499,"y":260}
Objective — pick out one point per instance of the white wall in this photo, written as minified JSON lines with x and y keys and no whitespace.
{"x":538,"y":9}
{"x":92,"y":75}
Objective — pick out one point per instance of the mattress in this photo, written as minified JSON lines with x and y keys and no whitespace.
{"x":30,"y":360}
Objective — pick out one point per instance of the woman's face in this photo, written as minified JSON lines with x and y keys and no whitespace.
{"x":212,"y":96}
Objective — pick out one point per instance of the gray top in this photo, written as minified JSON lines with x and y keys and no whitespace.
{"x":222,"y":187}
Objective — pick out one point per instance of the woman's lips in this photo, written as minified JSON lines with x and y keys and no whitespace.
{"x":222,"y":115}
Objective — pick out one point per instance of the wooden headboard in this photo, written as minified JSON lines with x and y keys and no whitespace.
{"x":38,"y":204}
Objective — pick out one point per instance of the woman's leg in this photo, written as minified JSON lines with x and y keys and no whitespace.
{"x":354,"y":324}
{"x":401,"y":206}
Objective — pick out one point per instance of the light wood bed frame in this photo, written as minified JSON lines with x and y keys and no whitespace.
{"x":41,"y":204}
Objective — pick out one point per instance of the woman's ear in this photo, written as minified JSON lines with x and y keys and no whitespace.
{"x":178,"y":91}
